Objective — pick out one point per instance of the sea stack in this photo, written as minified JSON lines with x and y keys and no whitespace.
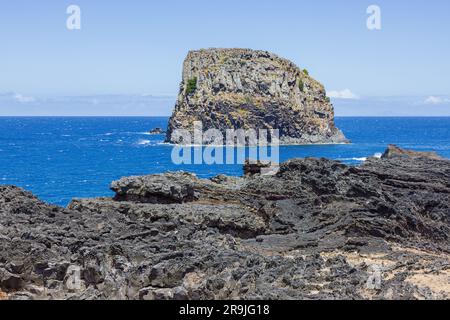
{"x":250,"y":89}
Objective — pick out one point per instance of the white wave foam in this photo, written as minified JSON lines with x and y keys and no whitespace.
{"x":143,"y":142}
{"x":362,"y":159}
{"x":140,"y":133}
{"x":378,"y":155}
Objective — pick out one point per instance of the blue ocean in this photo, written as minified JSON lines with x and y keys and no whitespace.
{"x":60,"y":158}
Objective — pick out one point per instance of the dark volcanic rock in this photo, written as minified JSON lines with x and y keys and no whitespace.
{"x":317,"y":229}
{"x":157,"y":131}
{"x":252,"y":168}
{"x":394,"y":151}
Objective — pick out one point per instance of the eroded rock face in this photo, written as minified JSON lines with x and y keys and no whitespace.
{"x":393,"y":151}
{"x":247,"y":89}
{"x":317,"y":229}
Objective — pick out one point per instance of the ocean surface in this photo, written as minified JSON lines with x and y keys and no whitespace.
{"x":60,"y":158}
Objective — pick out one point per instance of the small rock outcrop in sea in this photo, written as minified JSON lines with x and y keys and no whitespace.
{"x":157,"y":131}
{"x":248,"y":89}
{"x":317,"y":229}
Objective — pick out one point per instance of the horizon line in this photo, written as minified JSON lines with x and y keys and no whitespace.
{"x":168,"y":116}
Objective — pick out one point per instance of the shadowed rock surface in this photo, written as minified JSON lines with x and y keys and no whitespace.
{"x":251,"y":89}
{"x":317,"y":229}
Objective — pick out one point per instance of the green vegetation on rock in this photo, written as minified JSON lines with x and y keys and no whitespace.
{"x":306,"y":72}
{"x":301,"y":85}
{"x":191,"y":86}
{"x":248,"y":100}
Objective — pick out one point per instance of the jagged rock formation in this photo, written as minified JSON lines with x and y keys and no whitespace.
{"x":393,"y":151}
{"x":247,"y":89}
{"x":317,"y":229}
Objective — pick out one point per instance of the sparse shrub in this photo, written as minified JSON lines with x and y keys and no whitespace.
{"x":191,"y":86}
{"x":327,"y":99}
{"x":248,"y":100}
{"x":306,"y":72}
{"x":301,"y":85}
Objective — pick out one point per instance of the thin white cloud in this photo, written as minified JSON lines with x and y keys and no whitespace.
{"x":436,"y":100}
{"x":343,"y":94}
{"x":23,"y":99}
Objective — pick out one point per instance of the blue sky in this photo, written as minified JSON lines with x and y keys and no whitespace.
{"x":134,"y":48}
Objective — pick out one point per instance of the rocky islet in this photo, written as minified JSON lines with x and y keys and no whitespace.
{"x":251,"y":89}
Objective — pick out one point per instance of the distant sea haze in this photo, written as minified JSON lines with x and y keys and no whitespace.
{"x":18,"y":104}
{"x":60,"y":158}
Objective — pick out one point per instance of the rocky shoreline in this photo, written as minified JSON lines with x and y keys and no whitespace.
{"x":316,"y":229}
